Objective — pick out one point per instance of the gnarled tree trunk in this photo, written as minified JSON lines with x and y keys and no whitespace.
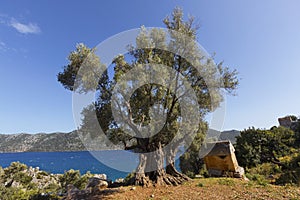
{"x":140,"y":175}
{"x":171,"y":169}
{"x":151,"y":170}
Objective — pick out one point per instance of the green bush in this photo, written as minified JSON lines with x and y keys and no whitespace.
{"x":226,"y":181}
{"x":13,"y":193}
{"x":73,"y":177}
{"x":200,"y":185}
{"x":190,"y":174}
{"x":265,"y":169}
{"x":259,"y":179}
{"x":129,"y":178}
{"x":82,"y":182}
{"x":25,"y":189}
{"x":52,"y":187}
{"x":14,"y":168}
{"x":203,"y":172}
{"x":289,"y":177}
{"x":291,"y":173}
{"x":256,"y":146}
{"x":69,"y":177}
{"x":43,"y":173}
{"x":22,"y":177}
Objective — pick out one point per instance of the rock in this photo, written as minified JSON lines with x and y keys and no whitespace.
{"x":239,"y":173}
{"x":271,"y":176}
{"x":119,"y":180}
{"x":92,"y":182}
{"x":215,"y":173}
{"x":198,"y":176}
{"x":72,"y":191}
{"x":9,"y":183}
{"x":101,"y":176}
{"x":96,"y":183}
{"x":133,"y":188}
{"x":15,"y":184}
{"x":102,"y":184}
{"x":152,"y":195}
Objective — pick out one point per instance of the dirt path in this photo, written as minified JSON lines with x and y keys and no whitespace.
{"x":213,"y":188}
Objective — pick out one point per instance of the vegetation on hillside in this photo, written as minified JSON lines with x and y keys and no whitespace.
{"x":272,"y":153}
{"x":32,"y":184}
{"x":19,"y":181}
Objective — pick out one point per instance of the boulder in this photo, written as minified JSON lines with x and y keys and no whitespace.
{"x":239,"y":173}
{"x":72,"y":191}
{"x":96,"y":183}
{"x":9,"y":183}
{"x":119,"y":180}
{"x":101,"y":176}
{"x":102,"y":184}
{"x":133,"y":188}
{"x":92,"y":182}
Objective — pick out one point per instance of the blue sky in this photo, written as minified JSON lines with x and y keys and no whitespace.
{"x":261,"y":39}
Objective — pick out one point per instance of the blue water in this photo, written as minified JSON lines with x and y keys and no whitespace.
{"x":115,"y":164}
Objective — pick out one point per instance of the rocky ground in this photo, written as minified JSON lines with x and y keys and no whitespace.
{"x":211,"y":188}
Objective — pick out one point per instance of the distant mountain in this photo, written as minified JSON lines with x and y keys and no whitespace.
{"x":70,"y":141}
{"x":40,"y":142}
{"x":230,"y":135}
{"x":215,"y":135}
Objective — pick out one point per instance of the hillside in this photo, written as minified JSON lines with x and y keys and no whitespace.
{"x":64,"y":141}
{"x":225,"y":135}
{"x":230,"y":135}
{"x":19,"y":181}
{"x":40,"y":142}
{"x":210,"y":188}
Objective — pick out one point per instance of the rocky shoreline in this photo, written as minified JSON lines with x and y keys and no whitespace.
{"x":20,"y":181}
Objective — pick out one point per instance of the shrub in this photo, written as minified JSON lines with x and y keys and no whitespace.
{"x":82,"y":182}
{"x":52,"y":187}
{"x":291,"y":175}
{"x":259,"y":179}
{"x":204,"y":172}
{"x":190,"y":174}
{"x":12,"y":193}
{"x":129,"y":178}
{"x":226,"y":181}
{"x":43,"y":173}
{"x":14,"y":168}
{"x":73,"y":177}
{"x":69,"y":177}
{"x":265,"y":169}
{"x":200,"y":185}
{"x":22,"y":177}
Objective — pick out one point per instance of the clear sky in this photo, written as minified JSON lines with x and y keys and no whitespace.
{"x":261,"y":39}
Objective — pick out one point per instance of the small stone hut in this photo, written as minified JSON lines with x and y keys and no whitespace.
{"x":221,"y":160}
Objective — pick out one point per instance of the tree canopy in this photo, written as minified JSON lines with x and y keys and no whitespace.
{"x":256,"y":146}
{"x":159,"y":91}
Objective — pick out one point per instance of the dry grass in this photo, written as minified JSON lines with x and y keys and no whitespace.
{"x":212,"y":188}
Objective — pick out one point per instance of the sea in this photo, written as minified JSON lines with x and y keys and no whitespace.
{"x":115,"y":164}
